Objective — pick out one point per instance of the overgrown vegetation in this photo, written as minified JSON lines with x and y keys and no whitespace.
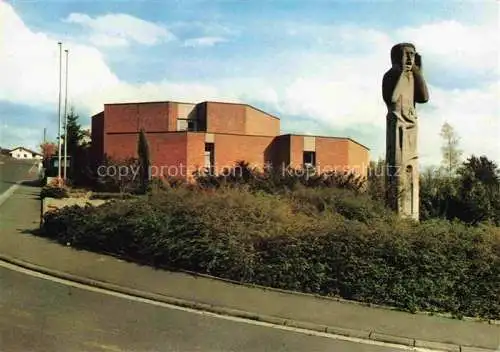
{"x":472,"y":196}
{"x":329,"y":234}
{"x":325,"y":240}
{"x":54,"y":192}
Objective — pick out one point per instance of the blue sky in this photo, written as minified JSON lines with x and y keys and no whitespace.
{"x":316,"y":64}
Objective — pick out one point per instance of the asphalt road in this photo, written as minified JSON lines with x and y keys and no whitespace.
{"x":12,"y":170}
{"x":37,"y":314}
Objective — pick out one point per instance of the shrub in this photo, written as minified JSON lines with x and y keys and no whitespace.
{"x":54,"y":192}
{"x":326,"y":241}
{"x":278,"y":180}
{"x":110,"y":195}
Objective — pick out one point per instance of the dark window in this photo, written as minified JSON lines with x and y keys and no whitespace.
{"x":209,"y":157}
{"x":191,"y":125}
{"x":309,"y":158}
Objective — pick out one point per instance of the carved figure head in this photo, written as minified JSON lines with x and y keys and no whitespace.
{"x":403,"y":55}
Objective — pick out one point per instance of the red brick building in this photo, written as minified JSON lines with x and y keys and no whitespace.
{"x":185,"y":137}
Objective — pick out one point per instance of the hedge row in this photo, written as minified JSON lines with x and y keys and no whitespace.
{"x":330,"y":242}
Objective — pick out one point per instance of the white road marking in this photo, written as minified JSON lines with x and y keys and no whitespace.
{"x":213,"y":315}
{"x":8,"y":193}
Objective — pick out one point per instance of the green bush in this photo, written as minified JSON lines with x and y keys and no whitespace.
{"x":278,"y":180}
{"x":332,"y":242}
{"x":110,"y":195}
{"x":54,"y":192}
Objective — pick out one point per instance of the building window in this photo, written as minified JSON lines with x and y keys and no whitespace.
{"x":187,"y":125}
{"x":192,"y":125}
{"x":182,"y":125}
{"x":309,"y":159}
{"x":25,"y":156}
{"x":209,"y":157}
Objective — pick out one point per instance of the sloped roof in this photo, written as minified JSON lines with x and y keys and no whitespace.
{"x":26,"y":149}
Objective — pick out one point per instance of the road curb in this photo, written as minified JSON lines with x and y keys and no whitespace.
{"x":351,"y":333}
{"x":288,"y":292}
{"x":296,"y":293}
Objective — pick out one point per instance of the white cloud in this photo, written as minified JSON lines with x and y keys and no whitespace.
{"x":473,"y":113}
{"x":203,"y":41}
{"x":457,"y":46}
{"x":29,"y":64}
{"x":121,"y":29}
{"x":339,"y":86}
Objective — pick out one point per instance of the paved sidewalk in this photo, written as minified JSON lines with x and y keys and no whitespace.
{"x":20,"y":213}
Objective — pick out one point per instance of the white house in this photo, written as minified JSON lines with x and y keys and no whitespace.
{"x":24,"y":153}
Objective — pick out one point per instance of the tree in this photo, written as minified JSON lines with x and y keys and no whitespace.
{"x":437,"y":193}
{"x":483,"y":169}
{"x":75,"y":133}
{"x":479,"y":191}
{"x":48,"y":149}
{"x":450,"y":150}
{"x":144,"y":162}
{"x":377,"y":172}
{"x":80,"y":171}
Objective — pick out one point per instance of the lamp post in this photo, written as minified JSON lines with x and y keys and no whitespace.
{"x":66,"y":120}
{"x":59,"y":113}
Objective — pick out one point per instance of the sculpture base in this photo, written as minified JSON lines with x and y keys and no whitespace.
{"x":403,"y":190}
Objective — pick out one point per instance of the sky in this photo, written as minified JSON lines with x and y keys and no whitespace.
{"x":316,"y":64}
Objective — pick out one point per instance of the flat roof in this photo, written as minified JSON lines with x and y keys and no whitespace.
{"x":190,"y":103}
{"x":151,"y":102}
{"x":241,"y":104}
{"x":330,"y":137}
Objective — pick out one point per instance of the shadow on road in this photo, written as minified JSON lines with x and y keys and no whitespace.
{"x":32,"y":231}
{"x":32,"y":183}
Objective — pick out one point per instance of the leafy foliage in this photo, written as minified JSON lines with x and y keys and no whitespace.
{"x":473,"y":196}
{"x":48,"y":149}
{"x":278,"y":180}
{"x":54,"y":192}
{"x":118,"y":175}
{"x":450,"y":149}
{"x":325,"y":240}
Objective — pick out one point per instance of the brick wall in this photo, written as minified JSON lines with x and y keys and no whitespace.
{"x":168,"y":153}
{"x":332,"y":154}
{"x":359,"y":158}
{"x":225,"y":118}
{"x":97,"y":135}
{"x":195,"y":152}
{"x":121,"y":145}
{"x":296,"y":151}
{"x":126,"y":118}
{"x":121,"y":118}
{"x":232,"y":148}
{"x":153,"y":117}
{"x":260,"y":124}
{"x":281,"y":151}
{"x":172,"y":115}
{"x":164,"y":148}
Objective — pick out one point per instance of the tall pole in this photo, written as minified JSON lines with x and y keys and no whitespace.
{"x":45,"y":135}
{"x":59,"y":113}
{"x":66,"y":119}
